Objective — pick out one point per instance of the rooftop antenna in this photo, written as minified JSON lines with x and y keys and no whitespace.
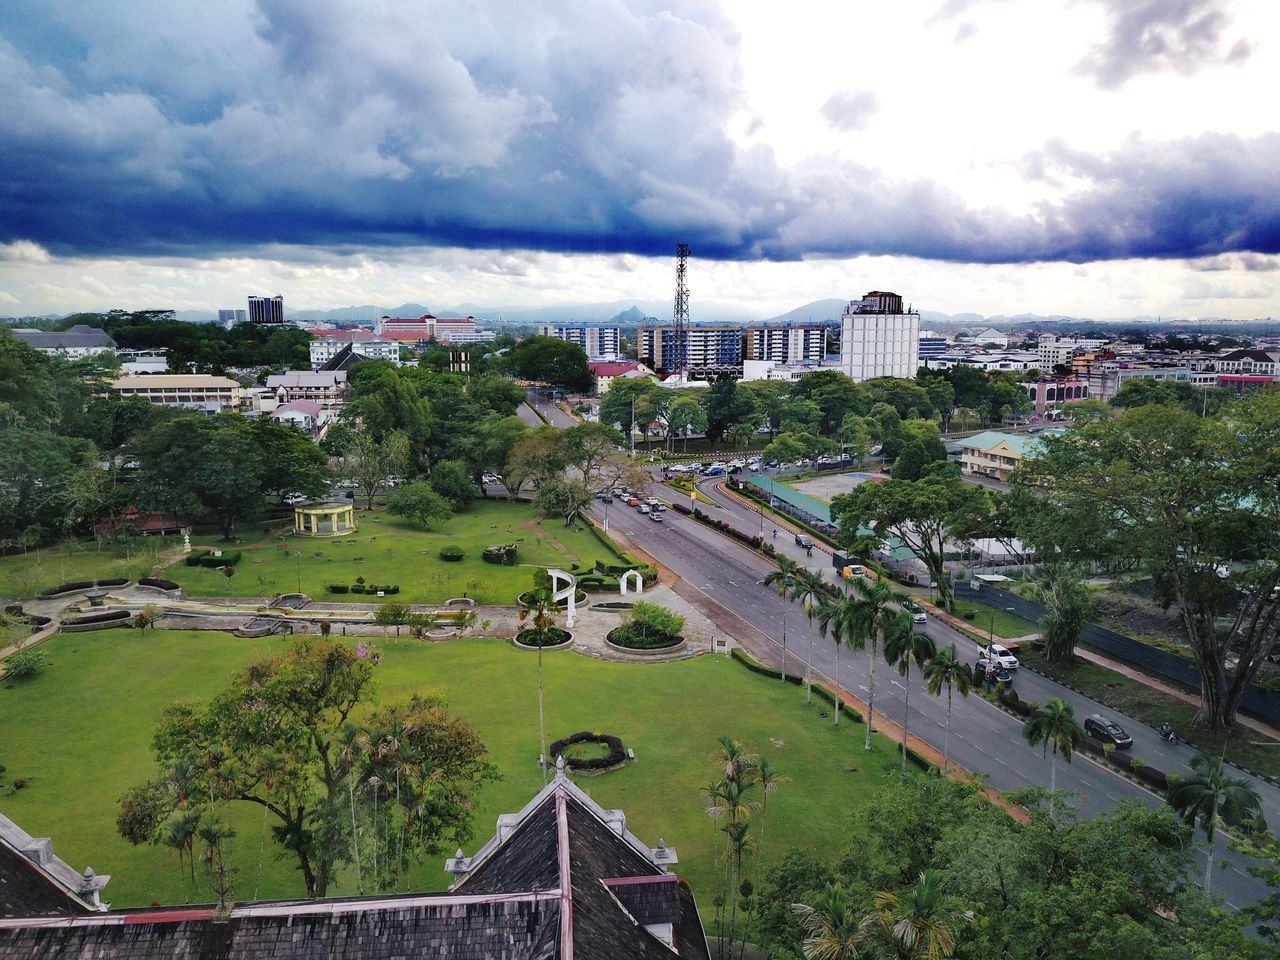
{"x":680,"y":315}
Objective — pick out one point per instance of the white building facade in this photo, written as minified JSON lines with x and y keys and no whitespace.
{"x":878,"y":338}
{"x":363,"y":342}
{"x":597,"y":342}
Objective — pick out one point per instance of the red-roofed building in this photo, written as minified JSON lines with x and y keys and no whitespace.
{"x":606,"y":371}
{"x":426,"y":328}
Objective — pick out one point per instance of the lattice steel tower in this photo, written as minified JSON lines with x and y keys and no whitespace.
{"x":680,"y":316}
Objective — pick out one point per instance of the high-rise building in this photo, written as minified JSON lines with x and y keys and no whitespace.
{"x":792,"y":343}
{"x":1057,"y":351}
{"x":266,"y":309}
{"x":709,"y":351}
{"x":878,"y":338}
{"x":229,"y":318}
{"x":597,"y":342}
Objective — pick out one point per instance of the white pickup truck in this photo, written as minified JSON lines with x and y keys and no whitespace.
{"x":998,"y":654}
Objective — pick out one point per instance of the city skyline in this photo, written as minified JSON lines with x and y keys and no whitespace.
{"x":1092,"y":158}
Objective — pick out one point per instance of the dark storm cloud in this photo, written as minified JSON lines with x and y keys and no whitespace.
{"x":1148,"y":36}
{"x":139,"y":129}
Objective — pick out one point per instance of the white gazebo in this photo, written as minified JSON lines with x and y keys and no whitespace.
{"x":324,"y":519}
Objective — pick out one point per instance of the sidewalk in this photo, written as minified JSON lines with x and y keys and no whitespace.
{"x":1116,"y":666}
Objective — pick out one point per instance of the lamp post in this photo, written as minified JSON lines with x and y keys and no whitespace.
{"x":298,"y":556}
{"x":991,"y":631}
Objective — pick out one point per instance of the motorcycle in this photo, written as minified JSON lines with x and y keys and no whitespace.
{"x":1167,"y":734}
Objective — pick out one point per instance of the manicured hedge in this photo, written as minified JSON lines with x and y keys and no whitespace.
{"x":338,"y":588}
{"x":1009,"y":697}
{"x":617,"y":754}
{"x":106,"y":616}
{"x":634,"y":639}
{"x":78,"y":585}
{"x":452,"y":553}
{"x":371,"y":589}
{"x":205,"y":558}
{"x":551,"y":637}
{"x":755,"y":666}
{"x":158,"y":583}
{"x":501,"y":554}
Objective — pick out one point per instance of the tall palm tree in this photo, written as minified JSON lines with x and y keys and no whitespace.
{"x":783,"y":579}
{"x":903,"y":646}
{"x":919,"y":925}
{"x":875,"y":606}
{"x":838,"y":616}
{"x":832,"y":931}
{"x":947,"y":670}
{"x":1208,"y":796}
{"x":810,"y":591}
{"x":540,"y":611}
{"x":1055,"y":726}
{"x":352,"y":743}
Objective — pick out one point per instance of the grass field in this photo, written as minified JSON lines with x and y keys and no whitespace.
{"x":387,"y":550}
{"x":1007,"y":625}
{"x":26,"y":574}
{"x":81,"y":732}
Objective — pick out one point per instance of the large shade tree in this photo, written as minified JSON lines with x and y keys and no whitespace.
{"x":925,"y":515}
{"x":1191,"y":502}
{"x":283,"y":737}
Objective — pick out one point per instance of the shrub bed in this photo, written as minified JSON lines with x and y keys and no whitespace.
{"x":551,"y":637}
{"x":502,"y":554}
{"x":616,"y":756}
{"x":339,"y":588}
{"x":1009,"y":697}
{"x":452,"y":553}
{"x":158,"y":583}
{"x":205,"y":558}
{"x":750,"y":540}
{"x":106,"y":616}
{"x":79,"y":585}
{"x":650,"y":627}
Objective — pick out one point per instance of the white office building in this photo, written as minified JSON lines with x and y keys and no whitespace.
{"x":364,"y":342}
{"x":878,"y":338}
{"x":1056,"y":351}
{"x":597,"y":342}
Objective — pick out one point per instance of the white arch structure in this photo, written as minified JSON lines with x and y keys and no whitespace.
{"x":569,"y":592}
{"x":637,"y":582}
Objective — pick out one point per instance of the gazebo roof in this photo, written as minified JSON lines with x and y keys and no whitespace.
{"x":322,"y":506}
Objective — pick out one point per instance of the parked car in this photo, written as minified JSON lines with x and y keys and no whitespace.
{"x":804,"y":541}
{"x":633,"y":501}
{"x":643,"y":508}
{"x":655,"y":517}
{"x":491,"y":478}
{"x":295,"y":498}
{"x":857,"y":570}
{"x":1000,"y":655}
{"x":1108,"y":731}
{"x":997,"y":674}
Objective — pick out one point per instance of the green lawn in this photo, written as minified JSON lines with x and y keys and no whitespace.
{"x":1007,"y":625}
{"x":23,"y":575}
{"x":387,"y":550}
{"x":81,"y":734}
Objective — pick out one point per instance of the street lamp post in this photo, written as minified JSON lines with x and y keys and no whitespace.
{"x":991,"y":632}
{"x":298,"y":556}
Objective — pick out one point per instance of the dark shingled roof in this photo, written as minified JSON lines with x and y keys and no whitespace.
{"x":25,"y":890}
{"x":563,"y":879}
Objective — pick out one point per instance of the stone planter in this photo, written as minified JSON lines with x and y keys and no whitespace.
{"x":679,"y":647}
{"x":534,"y":648}
{"x":460,"y":602}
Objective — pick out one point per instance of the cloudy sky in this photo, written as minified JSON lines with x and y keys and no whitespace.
{"x":1087,"y":157}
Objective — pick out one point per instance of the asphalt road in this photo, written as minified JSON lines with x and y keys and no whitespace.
{"x":983,"y":738}
{"x":549,"y":410}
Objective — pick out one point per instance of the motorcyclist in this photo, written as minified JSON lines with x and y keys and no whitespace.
{"x":1166,"y":731}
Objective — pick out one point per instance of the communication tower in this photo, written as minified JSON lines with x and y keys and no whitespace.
{"x":680,"y":316}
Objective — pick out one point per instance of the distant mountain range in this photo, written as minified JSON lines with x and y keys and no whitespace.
{"x":630,"y":312}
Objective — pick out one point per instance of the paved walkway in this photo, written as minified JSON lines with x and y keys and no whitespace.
{"x":591,"y":625}
{"x":1117,"y":666}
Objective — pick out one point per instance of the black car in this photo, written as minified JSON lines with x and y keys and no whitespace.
{"x":803,"y":541}
{"x":1108,"y":731}
{"x":994,"y":673}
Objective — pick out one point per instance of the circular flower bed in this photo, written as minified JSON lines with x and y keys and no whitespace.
{"x":633,"y":638}
{"x":551,"y":637}
{"x":614,"y":755}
